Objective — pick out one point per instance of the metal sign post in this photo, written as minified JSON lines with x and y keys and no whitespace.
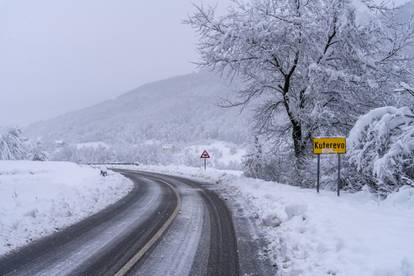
{"x":205,"y":156}
{"x":329,"y":145}
{"x":339,"y":175}
{"x":318,"y":173}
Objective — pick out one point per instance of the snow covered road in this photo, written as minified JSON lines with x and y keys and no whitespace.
{"x":39,"y":198}
{"x":200,"y":241}
{"x":101,"y":244}
{"x":177,"y":249}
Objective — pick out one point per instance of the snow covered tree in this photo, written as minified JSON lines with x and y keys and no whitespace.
{"x":312,"y":66}
{"x":39,"y":156}
{"x":253,"y":160}
{"x":12,"y":146}
{"x":381,"y":150}
{"x":38,"y":153}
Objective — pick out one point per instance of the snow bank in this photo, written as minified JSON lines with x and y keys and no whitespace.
{"x":39,"y":198}
{"x":326,"y":235}
{"x":311,"y":234}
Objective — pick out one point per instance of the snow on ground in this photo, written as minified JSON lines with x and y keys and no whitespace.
{"x":229,"y":153}
{"x":225,"y":154}
{"x":39,"y":198}
{"x":321,"y":234}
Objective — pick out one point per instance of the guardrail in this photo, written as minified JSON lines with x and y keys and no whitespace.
{"x":114,"y":163}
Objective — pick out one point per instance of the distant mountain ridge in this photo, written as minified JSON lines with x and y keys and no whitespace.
{"x":182,"y":109}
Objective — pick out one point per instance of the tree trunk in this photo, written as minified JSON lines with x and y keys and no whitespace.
{"x":297,"y":139}
{"x":297,"y":135}
{"x":300,"y":155}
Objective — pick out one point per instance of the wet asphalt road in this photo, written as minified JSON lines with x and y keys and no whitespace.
{"x":200,"y":241}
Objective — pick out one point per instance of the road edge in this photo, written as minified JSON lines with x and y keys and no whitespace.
{"x":138,"y":256}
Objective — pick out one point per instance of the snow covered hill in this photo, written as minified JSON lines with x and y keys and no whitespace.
{"x":176,"y":113}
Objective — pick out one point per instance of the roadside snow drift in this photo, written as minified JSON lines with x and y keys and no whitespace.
{"x":39,"y":198}
{"x":312,"y":234}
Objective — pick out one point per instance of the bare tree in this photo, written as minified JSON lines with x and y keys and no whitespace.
{"x":313,"y":66}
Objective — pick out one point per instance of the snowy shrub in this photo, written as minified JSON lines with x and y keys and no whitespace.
{"x":381,"y":150}
{"x":269,"y":167}
{"x":36,"y":151}
{"x":39,"y":156}
{"x":274,"y":161}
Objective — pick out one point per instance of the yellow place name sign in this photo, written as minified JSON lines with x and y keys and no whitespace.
{"x":329,"y":145}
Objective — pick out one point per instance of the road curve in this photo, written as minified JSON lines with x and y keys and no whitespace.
{"x":120,"y":239}
{"x":203,"y":235}
{"x":103,"y":243}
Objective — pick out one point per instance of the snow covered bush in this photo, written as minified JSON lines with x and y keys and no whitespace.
{"x":274,"y":162}
{"x":381,"y":150}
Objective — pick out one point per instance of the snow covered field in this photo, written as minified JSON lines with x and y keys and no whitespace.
{"x":39,"y":198}
{"x":311,"y":234}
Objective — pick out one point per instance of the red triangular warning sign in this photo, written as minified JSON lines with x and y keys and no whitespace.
{"x":205,"y":155}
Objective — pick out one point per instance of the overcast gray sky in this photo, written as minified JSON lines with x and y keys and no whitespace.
{"x":58,"y":56}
